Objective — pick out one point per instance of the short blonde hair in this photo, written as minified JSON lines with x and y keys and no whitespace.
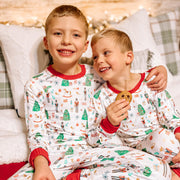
{"x":66,"y":10}
{"x":119,"y":37}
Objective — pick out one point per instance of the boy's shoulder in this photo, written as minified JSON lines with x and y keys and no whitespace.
{"x":90,"y":70}
{"x":38,"y":77}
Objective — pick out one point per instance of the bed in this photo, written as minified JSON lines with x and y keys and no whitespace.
{"x":156,"y":41}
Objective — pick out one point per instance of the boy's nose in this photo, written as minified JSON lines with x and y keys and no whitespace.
{"x":66,"y":40}
{"x":100,"y":60}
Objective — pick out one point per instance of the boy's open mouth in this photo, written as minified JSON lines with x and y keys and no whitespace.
{"x":65,"y":51}
{"x":103,"y":69}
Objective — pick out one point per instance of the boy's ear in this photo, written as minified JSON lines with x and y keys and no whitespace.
{"x":86,"y":45}
{"x":130,"y":57}
{"x":45,"y":43}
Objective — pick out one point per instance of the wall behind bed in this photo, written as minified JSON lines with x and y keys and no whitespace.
{"x":33,"y":12}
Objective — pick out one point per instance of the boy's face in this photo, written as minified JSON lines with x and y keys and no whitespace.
{"x":66,"y":40}
{"x":109,"y":61}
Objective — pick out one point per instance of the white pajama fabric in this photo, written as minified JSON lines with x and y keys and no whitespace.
{"x":150,"y":125}
{"x":58,"y":114}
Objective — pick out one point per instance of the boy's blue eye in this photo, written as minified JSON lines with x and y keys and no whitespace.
{"x":57,"y":33}
{"x":106,"y":52}
{"x":94,"y":58}
{"x":76,"y":35}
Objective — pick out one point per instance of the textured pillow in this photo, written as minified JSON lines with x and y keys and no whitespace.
{"x":6,"y":101}
{"x":143,"y":61}
{"x":24,"y":57}
{"x":138,"y":28}
{"x":164,"y":30}
{"x":177,"y":11}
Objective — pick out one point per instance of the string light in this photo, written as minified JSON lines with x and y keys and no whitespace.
{"x":94,"y":25}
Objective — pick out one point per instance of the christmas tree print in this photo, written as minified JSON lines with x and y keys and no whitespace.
{"x":69,"y":151}
{"x":46,"y":89}
{"x":96,"y":96}
{"x":36,"y":106}
{"x":65,"y":82}
{"x":38,"y":135}
{"x":30,"y":171}
{"x":99,"y":142}
{"x":175,"y":117}
{"x":167,"y":94}
{"x":159,"y":102}
{"x":148,"y":131}
{"x":80,"y":138}
{"x":38,"y":75}
{"x":47,"y":115}
{"x":87,"y":124}
{"x":147,"y":171}
{"x":85,"y":116}
{"x":122,"y":152}
{"x":141,"y":110}
{"x":108,"y":159}
{"x":60,"y":138}
{"x":66,"y":115}
{"x":89,"y":77}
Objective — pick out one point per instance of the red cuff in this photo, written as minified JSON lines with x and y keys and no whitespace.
{"x":177,"y":130}
{"x":37,"y":152}
{"x":177,"y":171}
{"x":108,"y":127}
{"x":74,"y":175}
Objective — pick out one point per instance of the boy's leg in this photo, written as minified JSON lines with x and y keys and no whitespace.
{"x":161,"y":143}
{"x":124,"y":162}
{"x":26,"y":172}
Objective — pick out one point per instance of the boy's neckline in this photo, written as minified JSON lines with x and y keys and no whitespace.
{"x":132,"y":90}
{"x":68,"y":77}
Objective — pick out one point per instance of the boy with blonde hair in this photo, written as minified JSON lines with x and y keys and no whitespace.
{"x":58,"y":113}
{"x":149,"y":120}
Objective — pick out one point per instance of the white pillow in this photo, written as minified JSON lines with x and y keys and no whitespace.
{"x":24,"y":55}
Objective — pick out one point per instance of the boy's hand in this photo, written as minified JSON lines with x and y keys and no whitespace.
{"x":177,"y":136}
{"x":117,"y":111}
{"x":42,"y":170}
{"x":176,"y":159}
{"x":159,"y":83}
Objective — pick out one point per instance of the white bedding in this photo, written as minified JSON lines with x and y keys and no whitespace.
{"x":12,"y":138}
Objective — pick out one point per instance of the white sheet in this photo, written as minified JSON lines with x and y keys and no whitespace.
{"x":13,"y":145}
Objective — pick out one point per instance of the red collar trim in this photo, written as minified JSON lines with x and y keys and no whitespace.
{"x":132,"y":90}
{"x":68,"y":77}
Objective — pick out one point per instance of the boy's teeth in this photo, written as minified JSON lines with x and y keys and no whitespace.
{"x":65,"y":51}
{"x":103,"y":69}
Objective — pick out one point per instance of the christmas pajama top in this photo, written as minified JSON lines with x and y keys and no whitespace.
{"x":57,"y":109}
{"x":149,"y":110}
{"x":58,"y":114}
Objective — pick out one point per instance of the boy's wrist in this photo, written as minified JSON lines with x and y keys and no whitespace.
{"x":108,"y":127}
{"x":40,"y":161}
{"x":38,"y":152}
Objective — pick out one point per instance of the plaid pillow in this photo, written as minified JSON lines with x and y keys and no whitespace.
{"x":143,"y":61}
{"x":6,"y":101}
{"x":164,"y":30}
{"x":178,"y":25}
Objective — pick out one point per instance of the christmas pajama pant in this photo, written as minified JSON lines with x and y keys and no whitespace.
{"x":161,"y":143}
{"x":108,"y":163}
